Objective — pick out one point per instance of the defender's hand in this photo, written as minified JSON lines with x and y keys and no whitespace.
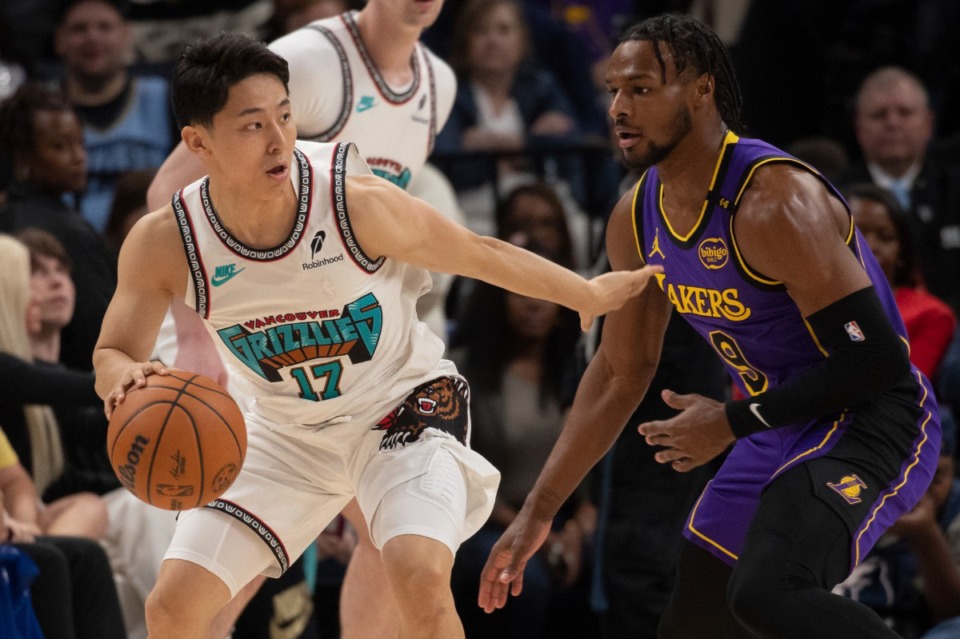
{"x":503,"y":572}
{"x":698,"y":434}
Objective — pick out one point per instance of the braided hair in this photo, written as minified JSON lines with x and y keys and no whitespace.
{"x":694,"y":45}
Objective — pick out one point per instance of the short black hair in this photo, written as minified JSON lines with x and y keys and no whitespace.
{"x":695,"y":46}
{"x":905,"y":270}
{"x":211,"y":66}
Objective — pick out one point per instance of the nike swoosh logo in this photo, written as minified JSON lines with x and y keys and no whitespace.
{"x":755,"y":409}
{"x":364,"y":106}
{"x":218,"y":281}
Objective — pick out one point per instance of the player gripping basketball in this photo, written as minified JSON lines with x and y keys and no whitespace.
{"x":306,"y":269}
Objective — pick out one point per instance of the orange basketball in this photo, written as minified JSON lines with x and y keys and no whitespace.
{"x":178,"y":442}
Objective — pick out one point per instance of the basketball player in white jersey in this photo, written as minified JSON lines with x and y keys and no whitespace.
{"x":361,"y":77}
{"x":306,"y":270}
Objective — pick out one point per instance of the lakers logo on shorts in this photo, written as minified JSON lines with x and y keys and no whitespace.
{"x":440,"y":404}
{"x":849,"y":487}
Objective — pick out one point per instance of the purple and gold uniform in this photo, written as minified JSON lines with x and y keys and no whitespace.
{"x":870,"y":463}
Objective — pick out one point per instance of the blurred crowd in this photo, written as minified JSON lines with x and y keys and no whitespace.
{"x":865,"y":91}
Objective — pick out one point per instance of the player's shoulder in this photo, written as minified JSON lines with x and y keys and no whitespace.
{"x":442,"y":71}
{"x":309,"y":40}
{"x":155,"y":235}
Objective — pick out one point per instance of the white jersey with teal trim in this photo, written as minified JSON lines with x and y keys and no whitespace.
{"x":338,"y":94}
{"x":312,"y":331}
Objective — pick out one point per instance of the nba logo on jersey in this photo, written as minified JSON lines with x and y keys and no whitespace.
{"x":853,"y":330}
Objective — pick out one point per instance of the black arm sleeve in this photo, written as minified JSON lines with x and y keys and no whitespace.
{"x":37,"y":383}
{"x":866,"y":358}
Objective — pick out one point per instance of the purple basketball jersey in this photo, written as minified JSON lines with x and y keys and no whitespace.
{"x":762,"y":339}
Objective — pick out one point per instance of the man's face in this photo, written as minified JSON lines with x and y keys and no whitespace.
{"x":893,"y":124}
{"x":93,"y":40}
{"x":250,"y":142}
{"x":650,"y":116}
{"x":53,"y":291}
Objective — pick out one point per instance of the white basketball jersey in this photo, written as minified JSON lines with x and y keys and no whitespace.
{"x":338,"y":94}
{"x":313,"y":330}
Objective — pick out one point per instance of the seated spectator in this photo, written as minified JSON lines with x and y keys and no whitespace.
{"x":929,"y":321}
{"x":74,"y":595}
{"x":45,"y":138}
{"x":894,"y":127}
{"x":138,"y":534}
{"x":530,"y":213}
{"x":912,"y":576}
{"x":24,"y":517}
{"x":128,"y":123}
{"x":536,"y":212}
{"x":504,"y":104}
{"x":79,"y":415}
{"x":516,"y":351}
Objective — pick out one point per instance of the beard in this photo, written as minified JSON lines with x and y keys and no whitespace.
{"x":641,"y":159}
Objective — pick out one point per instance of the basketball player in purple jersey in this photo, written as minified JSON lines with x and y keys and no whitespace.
{"x":839,"y":434}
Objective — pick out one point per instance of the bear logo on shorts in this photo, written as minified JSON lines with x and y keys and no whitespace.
{"x":440,"y":404}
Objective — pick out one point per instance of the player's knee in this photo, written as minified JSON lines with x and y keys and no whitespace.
{"x":419,"y":568}
{"x":171,"y":613}
{"x":754,"y":600}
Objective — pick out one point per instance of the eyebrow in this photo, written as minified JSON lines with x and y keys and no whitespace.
{"x":251,"y":110}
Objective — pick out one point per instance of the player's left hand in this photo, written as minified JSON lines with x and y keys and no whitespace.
{"x":612,"y":290}
{"x":698,"y":434}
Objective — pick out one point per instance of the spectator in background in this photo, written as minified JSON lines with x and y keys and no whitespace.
{"x":518,"y":353}
{"x":929,"y":321}
{"x":43,"y":134}
{"x":894,"y":126}
{"x":73,"y":595}
{"x":530,"y":213}
{"x":127,"y":120}
{"x":504,"y":103}
{"x":536,"y":212}
{"x":25,"y":413}
{"x":138,"y":534}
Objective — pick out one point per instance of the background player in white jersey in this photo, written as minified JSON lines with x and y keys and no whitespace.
{"x":314,"y":444}
{"x":362,"y":77}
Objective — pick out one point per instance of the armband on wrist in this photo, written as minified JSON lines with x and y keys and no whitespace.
{"x":745,"y":418}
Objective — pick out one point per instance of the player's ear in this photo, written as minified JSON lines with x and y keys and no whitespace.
{"x":705,"y":85}
{"x":196,"y":139}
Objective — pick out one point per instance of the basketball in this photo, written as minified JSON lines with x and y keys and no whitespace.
{"x":178,"y":442}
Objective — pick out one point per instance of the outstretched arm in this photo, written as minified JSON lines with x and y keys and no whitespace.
{"x":612,"y":387}
{"x":390,"y":222}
